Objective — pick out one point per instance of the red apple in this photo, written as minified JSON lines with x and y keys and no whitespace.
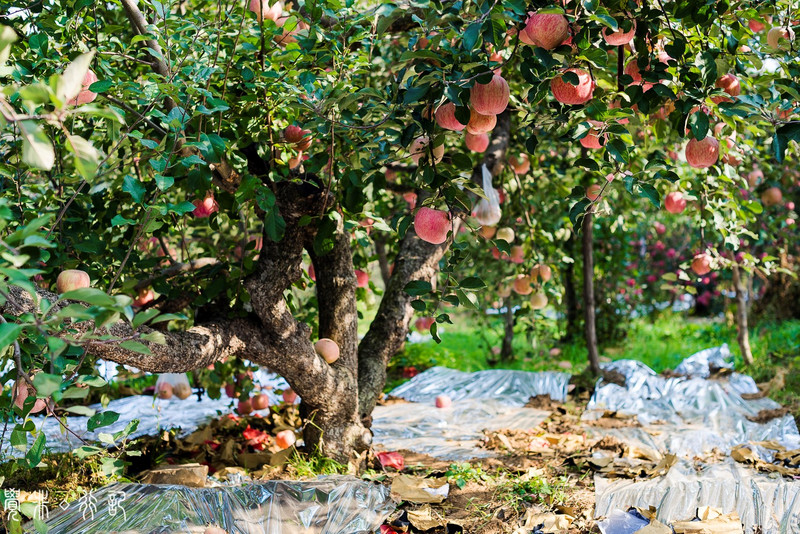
{"x":72,"y":279}
{"x":145,"y":296}
{"x":593,"y":192}
{"x":285,"y":439}
{"x":674,"y":202}
{"x":182,"y":390}
{"x":730,"y":84}
{"x":755,"y":177}
{"x":771,"y":197}
{"x":446,"y":117}
{"x":490,"y":98}
{"x":362,"y":278}
{"x":477,"y":143}
{"x":756,"y":26}
{"x":263,"y":10}
{"x":328,"y":349}
{"x":701,"y":264}
{"x":292,"y":133}
{"x":538,"y":300}
{"x":522,"y":285}
{"x":230,"y":391}
{"x":521,"y":164}
{"x":419,"y":150}
{"x":487,"y":232}
{"x":545,"y":30}
{"x":573,"y":95}
{"x":542,"y":271}
{"x":702,"y":154}
{"x":21,"y":394}
{"x":432,"y":225}
{"x":620,"y":37}
{"x":305,"y":141}
{"x":289,"y":396}
{"x":204,"y":208}
{"x":777,"y":33}
{"x":479,"y":124}
{"x":164,"y":390}
{"x":506,"y":234}
{"x":260,"y":402}
{"x":517,"y":254}
{"x":592,"y":140}
{"x":443,"y":401}
{"x":423,"y":324}
{"x":85,"y":95}
{"x":244,"y":406}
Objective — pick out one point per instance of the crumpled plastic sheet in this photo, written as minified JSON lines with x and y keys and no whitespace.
{"x":153,"y":414}
{"x":701,"y":363}
{"x":448,"y":433}
{"x":514,"y":388}
{"x":619,"y":522}
{"x":692,"y":416}
{"x":767,"y":503}
{"x":327,"y":505}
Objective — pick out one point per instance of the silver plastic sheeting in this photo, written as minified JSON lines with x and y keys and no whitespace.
{"x":764,"y":503}
{"x":448,"y":433}
{"x":328,"y":505}
{"x":692,"y":416}
{"x":514,"y":388}
{"x":153,"y":414}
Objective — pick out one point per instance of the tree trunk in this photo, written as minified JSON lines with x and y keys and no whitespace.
{"x":570,"y":296}
{"x":588,"y":293}
{"x":383,"y":259}
{"x":507,"y":352}
{"x":743,"y":333}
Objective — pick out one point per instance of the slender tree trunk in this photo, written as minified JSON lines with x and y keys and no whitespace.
{"x":506,"y":351}
{"x":570,"y":296}
{"x":588,"y":293}
{"x":743,"y":333}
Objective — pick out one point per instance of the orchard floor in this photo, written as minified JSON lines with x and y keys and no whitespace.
{"x":527,"y":483}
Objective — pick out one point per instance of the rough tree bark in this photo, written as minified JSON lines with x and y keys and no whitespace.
{"x":506,"y":350}
{"x":743,"y":332}
{"x":590,"y":328}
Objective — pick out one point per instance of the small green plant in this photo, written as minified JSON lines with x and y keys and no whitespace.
{"x":535,"y":488}
{"x":460,"y":474}
{"x":314,"y":464}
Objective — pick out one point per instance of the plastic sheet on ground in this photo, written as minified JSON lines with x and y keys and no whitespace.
{"x":153,"y":414}
{"x":327,"y":505}
{"x":700,"y":418}
{"x":448,"y":433}
{"x":514,"y":388}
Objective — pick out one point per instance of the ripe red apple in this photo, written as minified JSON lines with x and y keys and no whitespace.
{"x":538,"y":300}
{"x":285,"y":439}
{"x":362,"y":278}
{"x":182,"y":390}
{"x":328,"y":349}
{"x":72,"y":279}
{"x":477,"y":143}
{"x":423,"y":324}
{"x":432,"y":225}
{"x":555,"y":351}
{"x":263,"y":10}
{"x":777,"y":33}
{"x":755,"y":177}
{"x":674,"y":202}
{"x":732,"y":155}
{"x":521,"y":164}
{"x":205,"y":207}
{"x":230,"y":391}
{"x":22,"y":392}
{"x":702,"y":154}
{"x":756,"y":26}
{"x":292,"y":133}
{"x":542,"y":271}
{"x":164,"y":390}
{"x":260,"y":402}
{"x":545,"y":30}
{"x":419,"y":150}
{"x":290,"y":30}
{"x":592,"y":140}
{"x":244,"y":406}
{"x":522,"y":285}
{"x":446,"y":117}
{"x":730,"y":84}
{"x":305,"y":141}
{"x":517,"y":254}
{"x":443,"y":401}
{"x":620,"y":37}
{"x":573,"y":95}
{"x":479,"y":124}
{"x":145,"y":296}
{"x":214,"y":530}
{"x":85,"y":95}
{"x":593,"y":192}
{"x":289,"y":396}
{"x":771,"y":197}
{"x":701,"y":264}
{"x":490,"y":98}
{"x":506,"y":234}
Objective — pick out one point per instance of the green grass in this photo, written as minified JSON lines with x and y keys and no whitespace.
{"x":661,"y":344}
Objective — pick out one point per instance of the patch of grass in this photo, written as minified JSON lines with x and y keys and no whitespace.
{"x":314,"y":464}
{"x":530,"y":489}
{"x":462,"y":473}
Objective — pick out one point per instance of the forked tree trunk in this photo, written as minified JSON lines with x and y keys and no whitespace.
{"x":507,"y":351}
{"x":590,"y":329}
{"x":742,"y":331}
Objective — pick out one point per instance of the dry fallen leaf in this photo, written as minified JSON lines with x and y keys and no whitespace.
{"x":420,"y":490}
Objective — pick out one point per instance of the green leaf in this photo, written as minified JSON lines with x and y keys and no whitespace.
{"x":34,"y":455}
{"x":472,"y":282}
{"x":119,"y":220}
{"x":101,"y":419}
{"x":37,"y":151}
{"x":86,"y":451}
{"x":471,"y":35}
{"x":144,"y":316}
{"x":89,"y":295}
{"x":8,"y":334}
{"x":87,"y":158}
{"x":415,"y":94}
{"x":70,"y":82}
{"x":416,"y":288}
{"x":135,"y":189}
{"x":650,"y":192}
{"x":135,"y":346}
{"x":788,"y":132}
{"x":46,"y":384}
{"x":101,"y":86}
{"x":81,"y":410}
